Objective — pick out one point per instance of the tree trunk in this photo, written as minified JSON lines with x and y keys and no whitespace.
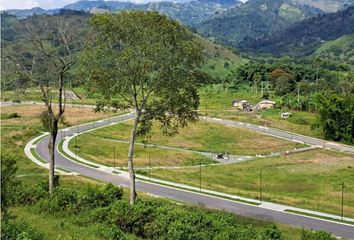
{"x":51,"y":147}
{"x":130,"y":161}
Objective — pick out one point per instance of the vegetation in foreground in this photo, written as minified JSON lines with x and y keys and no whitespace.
{"x":101,"y":212}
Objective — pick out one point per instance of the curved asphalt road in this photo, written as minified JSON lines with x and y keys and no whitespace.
{"x":186,"y":196}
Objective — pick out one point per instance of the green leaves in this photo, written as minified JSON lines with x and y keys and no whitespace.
{"x":145,"y":61}
{"x":336,"y":116}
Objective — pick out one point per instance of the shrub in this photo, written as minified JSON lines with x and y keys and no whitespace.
{"x":112,"y":193}
{"x":9,"y":183}
{"x":91,"y":197}
{"x":29,"y":195}
{"x":271,"y":232}
{"x":110,"y":232}
{"x":60,"y":200}
{"x":18,"y":231}
{"x":321,"y":235}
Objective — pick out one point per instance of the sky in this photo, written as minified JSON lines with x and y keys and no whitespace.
{"x":48,"y":4}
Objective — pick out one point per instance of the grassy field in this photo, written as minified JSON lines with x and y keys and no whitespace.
{"x":310,"y":179}
{"x":34,"y":94}
{"x":205,"y":137}
{"x":216,"y":102}
{"x":94,"y":148}
{"x":16,"y":132}
{"x":299,"y":122}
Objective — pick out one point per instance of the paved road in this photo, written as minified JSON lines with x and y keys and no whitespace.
{"x":186,"y":196}
{"x":287,"y":135}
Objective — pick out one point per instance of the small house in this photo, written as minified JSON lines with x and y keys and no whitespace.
{"x":240,"y":104}
{"x":266,"y":104}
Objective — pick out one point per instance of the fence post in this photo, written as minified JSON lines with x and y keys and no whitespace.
{"x":149,"y":167}
{"x":342,"y":210}
{"x":200,"y":175}
{"x":260,"y":186}
{"x":114,"y":158}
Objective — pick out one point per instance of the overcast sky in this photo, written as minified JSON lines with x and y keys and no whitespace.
{"x":47,"y":4}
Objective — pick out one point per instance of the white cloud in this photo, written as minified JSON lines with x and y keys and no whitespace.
{"x":18,"y":4}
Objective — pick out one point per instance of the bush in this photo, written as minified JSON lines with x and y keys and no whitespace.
{"x":18,"y":231}
{"x":29,"y":195}
{"x":90,"y":197}
{"x":321,"y":235}
{"x":60,"y":200}
{"x":9,"y":183}
{"x":112,"y":193}
{"x":272,"y":232}
{"x":110,"y":232}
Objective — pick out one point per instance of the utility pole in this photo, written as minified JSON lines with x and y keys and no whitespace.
{"x":114,"y":158}
{"x":200,"y":175}
{"x":342,"y":212}
{"x":77,"y":131}
{"x":298,"y":92}
{"x":260,"y":186}
{"x":206,"y":112}
{"x":149,"y":167}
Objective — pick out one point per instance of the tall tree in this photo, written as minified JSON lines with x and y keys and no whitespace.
{"x":336,"y":116}
{"x":46,"y":61}
{"x":146,"y":62}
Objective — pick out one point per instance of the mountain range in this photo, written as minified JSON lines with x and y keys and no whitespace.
{"x":254,"y":19}
{"x":294,"y":27}
{"x":189,"y":13}
{"x":304,"y":37}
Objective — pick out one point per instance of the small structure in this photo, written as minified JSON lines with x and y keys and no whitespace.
{"x":266,"y":104}
{"x":240,"y":104}
{"x":285,"y":115}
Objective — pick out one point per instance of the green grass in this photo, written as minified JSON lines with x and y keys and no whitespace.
{"x":216,"y":97}
{"x":309,"y":180}
{"x":99,"y":150}
{"x":201,"y":136}
{"x":299,"y":122}
{"x":216,"y":102}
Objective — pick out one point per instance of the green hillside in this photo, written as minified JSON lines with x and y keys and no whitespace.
{"x":254,"y":19}
{"x":304,"y":37}
{"x":327,"y":5}
{"x":219,"y":61}
{"x":341,"y":49}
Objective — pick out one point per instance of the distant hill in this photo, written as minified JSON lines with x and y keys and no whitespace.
{"x":219,"y":61}
{"x":254,"y":19}
{"x":23,"y":13}
{"x":88,"y":6}
{"x":340,"y":49}
{"x":304,"y":37}
{"x":189,"y":13}
{"x":327,"y":6}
